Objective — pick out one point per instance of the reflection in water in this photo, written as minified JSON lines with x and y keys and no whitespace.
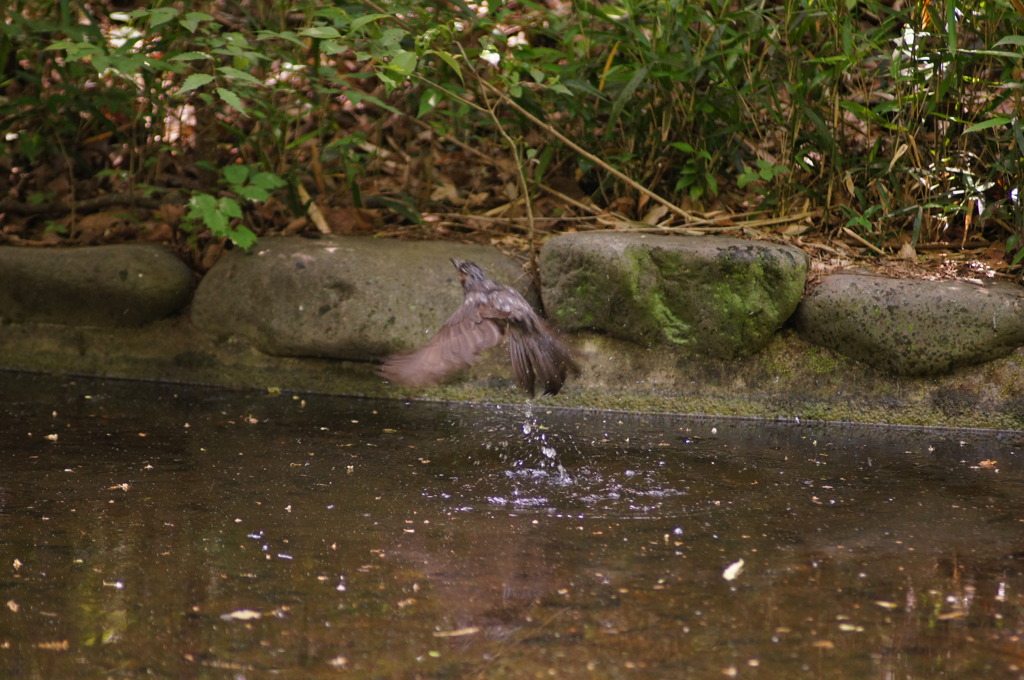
{"x":176,"y":532}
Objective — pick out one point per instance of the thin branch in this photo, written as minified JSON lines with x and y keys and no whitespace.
{"x":559,"y":136}
{"x":583,"y":152}
{"x":524,"y":188}
{"x":864,"y":242}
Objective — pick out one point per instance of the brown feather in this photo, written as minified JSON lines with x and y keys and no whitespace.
{"x":488,"y":313}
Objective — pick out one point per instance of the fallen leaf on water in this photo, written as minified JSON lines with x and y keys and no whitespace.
{"x":949,"y":616}
{"x":458,"y":632}
{"x":733,"y":570}
{"x":61,"y":646}
{"x":242,"y":615}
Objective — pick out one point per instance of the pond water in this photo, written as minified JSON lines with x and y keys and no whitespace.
{"x":179,"y":532}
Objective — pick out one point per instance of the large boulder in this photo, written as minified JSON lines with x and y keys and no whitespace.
{"x":709,"y":296}
{"x":913,"y":327}
{"x":113,"y":285}
{"x":342,"y":297}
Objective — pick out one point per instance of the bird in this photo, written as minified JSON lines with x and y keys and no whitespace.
{"x":490,"y":312}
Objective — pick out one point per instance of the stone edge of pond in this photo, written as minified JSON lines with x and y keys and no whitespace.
{"x":789,"y":380}
{"x":687,"y":325}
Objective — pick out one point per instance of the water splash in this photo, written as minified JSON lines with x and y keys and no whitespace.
{"x":535,"y":438}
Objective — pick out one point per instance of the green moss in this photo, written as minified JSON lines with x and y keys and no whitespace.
{"x":824,"y":362}
{"x":776,"y":365}
{"x":670,"y":326}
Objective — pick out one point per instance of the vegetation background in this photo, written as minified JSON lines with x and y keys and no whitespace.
{"x":856,"y":129}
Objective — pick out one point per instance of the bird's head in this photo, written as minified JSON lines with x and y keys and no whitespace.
{"x":469,"y":273}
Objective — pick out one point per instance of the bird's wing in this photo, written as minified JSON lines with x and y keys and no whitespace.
{"x":460,"y":341}
{"x":539,"y":353}
{"x":535,"y":350}
{"x":501,"y":302}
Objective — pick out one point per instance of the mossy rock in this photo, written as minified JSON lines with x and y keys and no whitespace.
{"x":708,"y":296}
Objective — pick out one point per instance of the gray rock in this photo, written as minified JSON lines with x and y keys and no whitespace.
{"x":913,"y":327}
{"x":711,"y":296}
{"x":340,"y":297}
{"x":115,"y":285}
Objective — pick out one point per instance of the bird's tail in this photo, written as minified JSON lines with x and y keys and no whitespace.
{"x":537,"y":354}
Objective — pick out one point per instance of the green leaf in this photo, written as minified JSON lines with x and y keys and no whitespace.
{"x":215,"y":215}
{"x":235,"y":74}
{"x":268,"y":180}
{"x":1017,"y":40}
{"x":994,"y":53}
{"x":333,"y":47}
{"x":243,"y":237}
{"x":712,"y":183}
{"x":77,"y":51}
{"x":862,"y":112}
{"x":280,"y":35}
{"x":401,"y":205}
{"x":229,"y":206}
{"x":951,"y":26}
{"x":189,"y":56}
{"x":101,"y":62}
{"x":235,"y":174}
{"x":202,"y":209}
{"x":452,"y":62}
{"x":404,"y":62}
{"x":361,"y":21}
{"x":428,"y":101}
{"x":231,"y":99}
{"x":194,"y":81}
{"x":320,"y":32}
{"x":252,"y":193}
{"x":986,"y":124}
{"x":159,"y":16}
{"x":191,"y":20}
{"x":357,"y":96}
{"x":625,"y":96}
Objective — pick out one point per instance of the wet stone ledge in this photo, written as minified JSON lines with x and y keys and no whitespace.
{"x":673,"y":324}
{"x":124,"y":285}
{"x":913,"y":327}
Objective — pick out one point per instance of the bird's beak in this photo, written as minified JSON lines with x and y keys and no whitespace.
{"x":458,"y":267}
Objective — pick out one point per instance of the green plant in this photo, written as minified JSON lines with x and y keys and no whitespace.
{"x":891,"y":119}
{"x":765,"y":173}
{"x":863,"y":223}
{"x":222,"y":214}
